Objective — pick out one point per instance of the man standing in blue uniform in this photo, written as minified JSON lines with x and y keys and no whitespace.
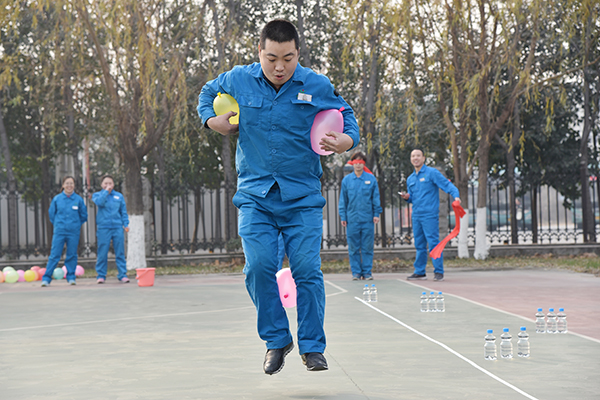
{"x":67,"y":213}
{"x":423,"y":192}
{"x":279,"y":189}
{"x":359,"y":209}
{"x":111,"y":221}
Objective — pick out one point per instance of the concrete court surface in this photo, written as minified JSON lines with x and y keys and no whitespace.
{"x":194,"y":337}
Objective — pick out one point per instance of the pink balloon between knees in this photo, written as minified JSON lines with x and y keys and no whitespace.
{"x":325,"y":122}
{"x":287,"y":287}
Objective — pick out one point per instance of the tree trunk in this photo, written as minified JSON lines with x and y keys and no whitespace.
{"x":589,"y":229}
{"x":12,"y":191}
{"x":136,"y":241}
{"x":534,"y":215}
{"x":162,"y":190}
{"x":230,"y":188}
{"x":304,"y":50}
{"x":481,"y":248}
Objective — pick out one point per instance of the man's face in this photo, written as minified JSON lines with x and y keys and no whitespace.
{"x":278,"y":61}
{"x":417,"y":159}
{"x":358,"y":168}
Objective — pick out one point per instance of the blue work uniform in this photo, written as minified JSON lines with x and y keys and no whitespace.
{"x":423,"y":188}
{"x":359,"y":204}
{"x":111,"y":219}
{"x":279,"y":191}
{"x":67,"y":214}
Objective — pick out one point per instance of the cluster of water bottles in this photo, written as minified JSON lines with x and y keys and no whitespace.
{"x":370,"y":293}
{"x":555,"y":323}
{"x":433,"y":302}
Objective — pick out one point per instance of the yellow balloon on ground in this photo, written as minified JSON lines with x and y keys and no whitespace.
{"x":30,"y":275}
{"x":224,"y":103}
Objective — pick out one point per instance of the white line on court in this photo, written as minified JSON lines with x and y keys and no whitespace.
{"x":341,"y":289}
{"x":497,"y":309}
{"x":457,"y":354}
{"x":123,"y":319}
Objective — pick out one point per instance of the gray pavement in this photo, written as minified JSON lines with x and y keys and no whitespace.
{"x":194,"y":337}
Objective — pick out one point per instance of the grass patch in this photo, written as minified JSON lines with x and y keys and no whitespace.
{"x":585,"y":263}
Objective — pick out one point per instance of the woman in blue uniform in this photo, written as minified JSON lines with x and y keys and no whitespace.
{"x":111,"y":221}
{"x":67,"y":213}
{"x":359,"y":209}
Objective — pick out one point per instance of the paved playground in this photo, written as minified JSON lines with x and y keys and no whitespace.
{"x":194,"y":337}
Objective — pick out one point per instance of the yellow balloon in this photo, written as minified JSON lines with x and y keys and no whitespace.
{"x":30,"y":275}
{"x":224,"y":103}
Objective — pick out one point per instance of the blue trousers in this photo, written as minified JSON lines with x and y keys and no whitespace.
{"x":300,"y":222}
{"x":59,"y":239}
{"x":426,"y":231}
{"x":104,"y":237}
{"x":361,"y":237}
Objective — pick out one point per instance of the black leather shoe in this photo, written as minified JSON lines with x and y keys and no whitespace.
{"x":314,"y":362}
{"x":275,"y":358}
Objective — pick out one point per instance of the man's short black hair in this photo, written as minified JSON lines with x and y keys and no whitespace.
{"x":280,"y":31}
{"x":420,"y":149}
{"x":358,"y":154}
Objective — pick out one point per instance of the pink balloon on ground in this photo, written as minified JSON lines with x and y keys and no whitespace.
{"x":1,"y":277}
{"x":35,"y":268}
{"x":21,"y":275}
{"x":79,"y":271}
{"x":42,"y":271}
{"x":65,"y":272}
{"x":325,"y":122}
{"x":287,"y":287}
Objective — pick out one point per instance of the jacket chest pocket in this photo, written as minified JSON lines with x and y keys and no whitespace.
{"x":302,"y":114}
{"x":250,"y":108}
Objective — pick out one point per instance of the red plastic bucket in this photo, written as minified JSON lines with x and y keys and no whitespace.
{"x":145,"y":276}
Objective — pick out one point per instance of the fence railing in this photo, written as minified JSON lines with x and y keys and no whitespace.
{"x":194,"y":221}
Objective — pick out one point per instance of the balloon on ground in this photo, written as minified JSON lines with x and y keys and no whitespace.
{"x":58,"y":273}
{"x":287,"y":287}
{"x":11,"y":277}
{"x":79,"y":271}
{"x":30,"y":275}
{"x":21,"y":274}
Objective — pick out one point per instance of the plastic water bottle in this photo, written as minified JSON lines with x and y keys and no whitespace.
{"x":366,"y":293}
{"x":373,"y":293}
{"x":561,"y":321}
{"x":431,"y":302}
{"x":506,"y":350}
{"x":424,"y":301}
{"x":439,"y":303}
{"x":551,"y":323}
{"x":540,"y":321}
{"x":489,"y":348}
{"x":523,"y":343}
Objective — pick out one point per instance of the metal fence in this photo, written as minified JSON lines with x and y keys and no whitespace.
{"x":194,"y":221}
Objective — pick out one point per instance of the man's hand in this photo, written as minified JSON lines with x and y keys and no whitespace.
{"x":126,"y":229}
{"x":375,"y":220}
{"x":457,"y":199}
{"x":221,"y":124}
{"x":344,"y":223}
{"x":336,"y":142}
{"x":404,"y":195}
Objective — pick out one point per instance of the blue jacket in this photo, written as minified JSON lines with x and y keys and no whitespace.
{"x":112,"y":211}
{"x":67,"y":213}
{"x":423,"y":189}
{"x":359,"y":198}
{"x":274,"y":138}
